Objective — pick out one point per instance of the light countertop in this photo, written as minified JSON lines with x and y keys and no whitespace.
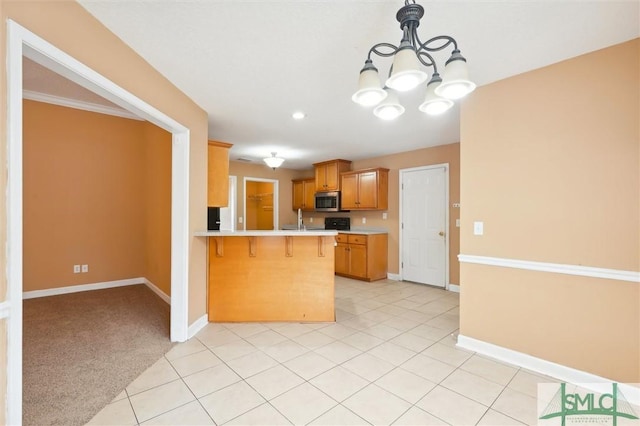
{"x":364,"y":231}
{"x":353,"y":230}
{"x":279,"y":233}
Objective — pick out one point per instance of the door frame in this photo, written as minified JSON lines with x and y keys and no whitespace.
{"x":22,"y":42}
{"x":276,"y":199}
{"x":233,"y":184}
{"x":446,"y":215}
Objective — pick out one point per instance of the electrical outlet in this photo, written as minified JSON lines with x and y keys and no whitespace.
{"x":76,"y":269}
{"x":364,"y":220}
{"x":85,"y":268}
{"x":240,"y":219}
{"x":310,"y":220}
{"x":457,"y":223}
{"x":384,"y":216}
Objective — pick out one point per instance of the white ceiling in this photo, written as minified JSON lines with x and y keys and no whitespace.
{"x":250,"y":64}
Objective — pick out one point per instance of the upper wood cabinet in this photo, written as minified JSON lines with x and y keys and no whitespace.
{"x":218,"y":174}
{"x":366,"y":189}
{"x":328,"y":174}
{"x":303,"y":193}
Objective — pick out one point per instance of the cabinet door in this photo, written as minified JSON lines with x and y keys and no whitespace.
{"x":368,"y":190}
{"x":342,"y":258}
{"x":349,"y":192}
{"x":298,"y":195}
{"x":309,"y":191}
{"x":332,"y":176}
{"x":358,"y":258}
{"x":321,"y":177}
{"x":218,"y":174}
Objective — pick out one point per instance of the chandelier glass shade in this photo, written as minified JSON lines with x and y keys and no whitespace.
{"x":273,"y":161}
{"x":435,"y":104}
{"x":369,"y":91}
{"x":390,"y":108}
{"x":412,"y":58}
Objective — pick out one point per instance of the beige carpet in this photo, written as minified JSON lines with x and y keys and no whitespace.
{"x":80,"y":350}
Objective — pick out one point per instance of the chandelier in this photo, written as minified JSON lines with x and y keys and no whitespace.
{"x":406,"y":72}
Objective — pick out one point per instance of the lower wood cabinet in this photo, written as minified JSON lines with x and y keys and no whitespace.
{"x":361,"y":256}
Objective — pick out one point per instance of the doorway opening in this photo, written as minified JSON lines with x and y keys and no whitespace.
{"x":22,"y":42}
{"x":260,"y":204}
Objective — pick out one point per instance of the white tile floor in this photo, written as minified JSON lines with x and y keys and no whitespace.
{"x":389,"y":359}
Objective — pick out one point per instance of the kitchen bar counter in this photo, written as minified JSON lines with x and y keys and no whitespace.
{"x":271,"y":275}
{"x":278,"y":233}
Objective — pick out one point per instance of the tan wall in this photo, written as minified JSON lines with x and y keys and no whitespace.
{"x":69,"y":27}
{"x":282,"y":175}
{"x":550,"y":164}
{"x":157,"y":207}
{"x":97,"y":191}
{"x":83,"y":192}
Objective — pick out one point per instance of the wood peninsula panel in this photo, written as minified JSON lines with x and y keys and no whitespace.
{"x":275,"y":278}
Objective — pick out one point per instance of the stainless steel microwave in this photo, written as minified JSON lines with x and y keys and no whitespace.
{"x":327,"y":201}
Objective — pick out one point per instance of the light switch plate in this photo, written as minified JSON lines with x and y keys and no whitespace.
{"x":457,"y":223}
{"x":478,"y":228}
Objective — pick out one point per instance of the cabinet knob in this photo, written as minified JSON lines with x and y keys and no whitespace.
{"x":441,"y":233}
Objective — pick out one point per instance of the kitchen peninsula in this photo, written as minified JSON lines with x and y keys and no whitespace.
{"x":283,"y":275}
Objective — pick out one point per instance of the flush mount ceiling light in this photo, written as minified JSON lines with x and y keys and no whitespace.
{"x":273,"y":161}
{"x":298,"y":115}
{"x":406,"y":71}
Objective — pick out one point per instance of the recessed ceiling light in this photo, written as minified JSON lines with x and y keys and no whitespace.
{"x":298,"y":115}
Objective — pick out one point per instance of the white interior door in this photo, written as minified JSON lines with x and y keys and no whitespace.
{"x":424,"y":224}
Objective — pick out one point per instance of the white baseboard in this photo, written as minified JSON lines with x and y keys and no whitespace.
{"x":83,"y":287}
{"x":96,"y":286}
{"x":548,"y":368}
{"x":157,"y":291}
{"x":198,"y":325}
{"x":395,"y":277}
{"x":454,"y":288}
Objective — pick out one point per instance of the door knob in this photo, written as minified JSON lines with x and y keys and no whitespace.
{"x":441,"y":233}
